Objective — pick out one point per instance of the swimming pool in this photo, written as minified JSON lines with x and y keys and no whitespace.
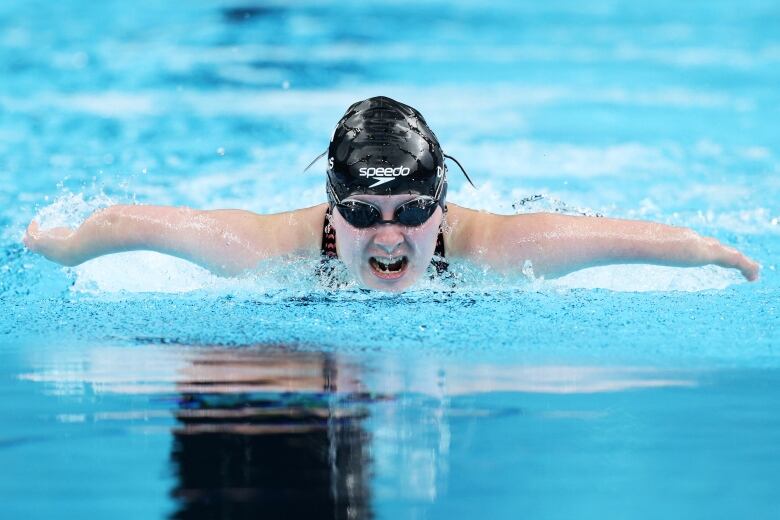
{"x":140,"y":386}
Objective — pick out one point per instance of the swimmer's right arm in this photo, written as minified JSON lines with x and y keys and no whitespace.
{"x":560,"y":244}
{"x":226,"y":242}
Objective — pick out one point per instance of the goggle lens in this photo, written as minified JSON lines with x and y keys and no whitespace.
{"x":415,"y":212}
{"x":359,"y":214}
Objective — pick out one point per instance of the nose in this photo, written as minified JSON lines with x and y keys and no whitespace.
{"x":388,"y":238}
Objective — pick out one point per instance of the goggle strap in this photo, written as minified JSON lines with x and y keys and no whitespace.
{"x":459,"y":166}
{"x":320,"y":156}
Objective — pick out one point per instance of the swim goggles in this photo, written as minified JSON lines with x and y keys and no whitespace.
{"x":361,"y":214}
{"x":412,"y":213}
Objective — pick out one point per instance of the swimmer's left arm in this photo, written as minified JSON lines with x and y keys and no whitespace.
{"x":559,"y":244}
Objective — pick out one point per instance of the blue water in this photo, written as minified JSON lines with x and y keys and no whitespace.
{"x":140,"y":386}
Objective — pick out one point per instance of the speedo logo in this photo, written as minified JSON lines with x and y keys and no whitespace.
{"x":383,"y":175}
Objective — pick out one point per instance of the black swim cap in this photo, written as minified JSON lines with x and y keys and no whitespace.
{"x":383,"y":147}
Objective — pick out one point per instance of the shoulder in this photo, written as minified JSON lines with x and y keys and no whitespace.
{"x":469,"y":232}
{"x":461,"y":226}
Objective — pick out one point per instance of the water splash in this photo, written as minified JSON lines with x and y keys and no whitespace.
{"x":71,"y":209}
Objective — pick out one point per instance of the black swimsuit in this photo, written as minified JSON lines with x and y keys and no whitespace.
{"x":329,"y":246}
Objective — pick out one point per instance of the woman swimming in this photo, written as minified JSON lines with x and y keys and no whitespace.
{"x":386,"y":219}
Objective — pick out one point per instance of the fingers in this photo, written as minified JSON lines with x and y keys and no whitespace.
{"x":750,"y":269}
{"x":52,"y":243}
{"x":732,"y":258}
{"x":31,"y":235}
{"x":32,"y":229}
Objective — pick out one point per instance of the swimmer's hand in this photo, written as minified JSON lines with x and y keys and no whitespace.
{"x":54,"y":243}
{"x":725,"y":256}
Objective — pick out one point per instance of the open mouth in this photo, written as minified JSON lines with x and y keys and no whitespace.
{"x":388,"y":267}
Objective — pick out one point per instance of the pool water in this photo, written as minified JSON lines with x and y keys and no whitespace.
{"x":141,"y":386}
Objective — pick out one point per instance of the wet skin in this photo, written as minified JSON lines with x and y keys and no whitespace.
{"x":357,"y":247}
{"x":387,"y":257}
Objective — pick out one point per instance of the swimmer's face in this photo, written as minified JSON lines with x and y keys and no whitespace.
{"x":386,"y":257}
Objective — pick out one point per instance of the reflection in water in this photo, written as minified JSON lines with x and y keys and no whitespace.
{"x":265,"y":432}
{"x":269,"y":435}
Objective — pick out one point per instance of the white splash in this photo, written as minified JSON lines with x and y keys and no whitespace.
{"x":646,"y":278}
{"x":70,"y":209}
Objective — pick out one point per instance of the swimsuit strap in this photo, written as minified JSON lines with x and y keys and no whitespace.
{"x":328,"y":247}
{"x":438,"y":261}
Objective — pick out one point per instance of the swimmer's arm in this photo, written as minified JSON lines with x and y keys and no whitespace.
{"x":559,"y":244}
{"x":226,"y":242}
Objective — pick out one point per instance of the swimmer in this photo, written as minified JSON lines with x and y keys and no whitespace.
{"x":386,"y":218}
